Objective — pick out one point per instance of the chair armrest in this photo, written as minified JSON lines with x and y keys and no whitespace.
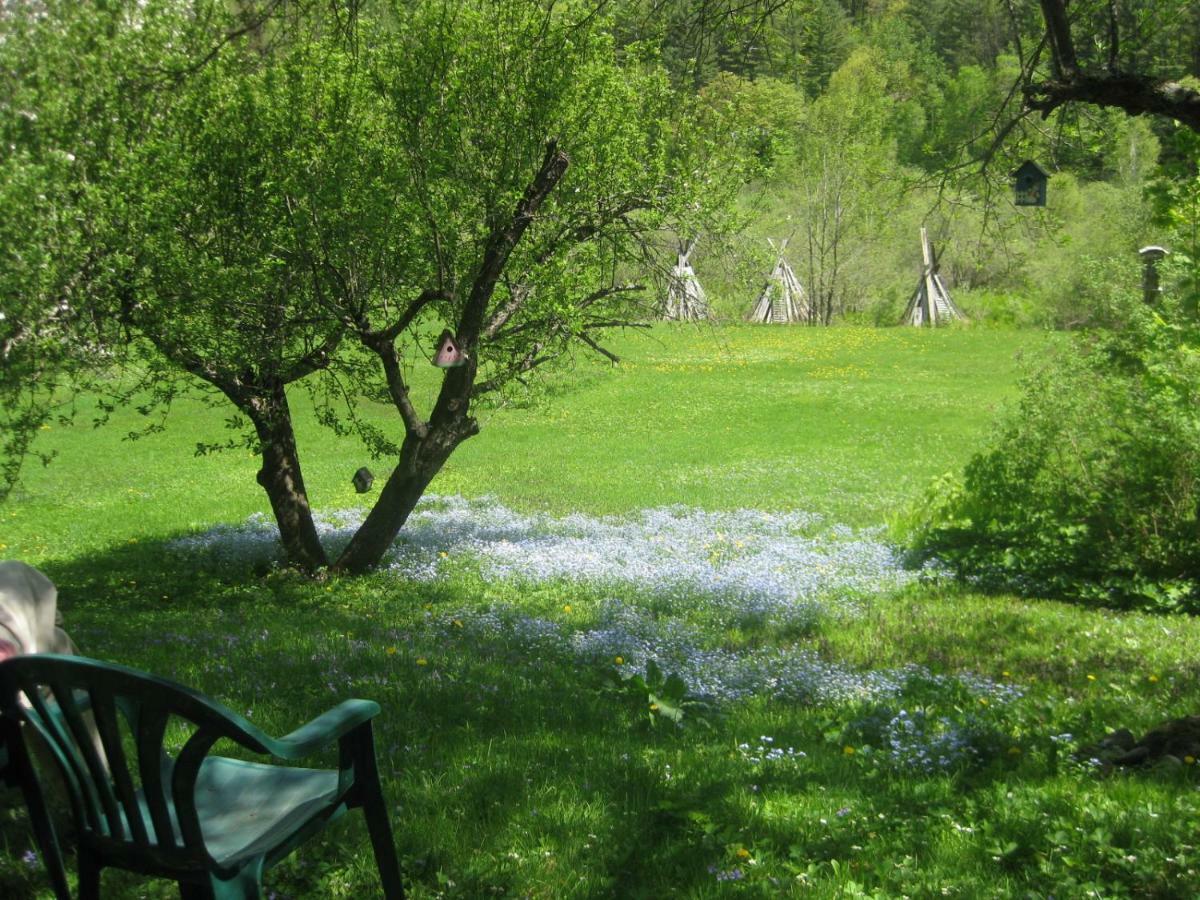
{"x":324,"y":729}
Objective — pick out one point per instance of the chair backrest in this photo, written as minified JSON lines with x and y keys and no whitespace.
{"x":130,"y":796}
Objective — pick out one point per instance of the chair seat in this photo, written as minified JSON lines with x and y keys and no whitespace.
{"x":246,"y":808}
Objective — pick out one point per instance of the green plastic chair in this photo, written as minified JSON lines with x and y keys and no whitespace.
{"x":39,"y":816}
{"x":211,"y":823}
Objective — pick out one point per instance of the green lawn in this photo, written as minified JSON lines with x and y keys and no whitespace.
{"x":884,"y":737}
{"x":847,"y":422}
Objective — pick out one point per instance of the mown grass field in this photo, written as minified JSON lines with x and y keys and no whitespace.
{"x":863,"y":733}
{"x":848,"y":422}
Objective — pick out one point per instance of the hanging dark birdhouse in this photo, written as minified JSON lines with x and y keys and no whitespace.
{"x":363,"y":479}
{"x":449,"y":354}
{"x":1029,"y":184}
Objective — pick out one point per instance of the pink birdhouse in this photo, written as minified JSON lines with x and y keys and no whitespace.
{"x":449,"y":355}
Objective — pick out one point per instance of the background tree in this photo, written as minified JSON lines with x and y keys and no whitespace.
{"x":307,"y":203}
{"x":1087,"y":490}
{"x":841,"y":175}
{"x":56,"y":73}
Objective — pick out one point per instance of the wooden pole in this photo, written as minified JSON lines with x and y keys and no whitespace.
{"x":1151,"y":289}
{"x":927,"y":258}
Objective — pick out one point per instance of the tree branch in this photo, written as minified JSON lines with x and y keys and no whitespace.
{"x":393,"y":375}
{"x":1136,"y":94}
{"x":501,"y":334}
{"x":1133,"y":92}
{"x":1058,"y":30}
{"x":1016,"y":33}
{"x":251,"y":24}
{"x":1114,"y":37}
{"x":587,"y":339}
{"x":518,"y":295}
{"x":454,"y":398}
{"x":315,"y":359}
{"x":504,"y":239}
{"x":391,"y":332}
{"x":602,"y":293}
{"x":382,"y":342}
{"x":530,"y":361}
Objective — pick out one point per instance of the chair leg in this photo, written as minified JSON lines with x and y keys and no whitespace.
{"x":378,"y":825}
{"x":19,"y":770}
{"x":245,"y":885}
{"x":89,"y":876}
{"x":191,"y":890}
{"x":47,"y":841}
{"x":384,"y":845}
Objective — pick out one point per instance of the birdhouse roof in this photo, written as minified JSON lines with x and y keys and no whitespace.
{"x":1029,"y":167}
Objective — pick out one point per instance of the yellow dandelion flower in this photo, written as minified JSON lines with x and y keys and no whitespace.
{"x":1006,"y":674}
{"x":1091,"y":678}
{"x":848,"y":750}
{"x":457,"y":623}
{"x":653,"y":707}
{"x":422,"y":661}
{"x":620,"y":660}
{"x":983,"y":701}
{"x":392,"y":651}
{"x":443,"y":554}
{"x":566,"y":607}
{"x":1014,"y":751}
{"x":1153,"y":679}
{"x":742,"y":853}
{"x":1189,"y":760}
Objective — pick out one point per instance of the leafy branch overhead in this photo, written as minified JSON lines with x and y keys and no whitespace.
{"x":1110,"y":72}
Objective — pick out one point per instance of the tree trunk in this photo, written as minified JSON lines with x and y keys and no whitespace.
{"x":280,"y":477}
{"x":421,"y":458}
{"x":427,"y":445}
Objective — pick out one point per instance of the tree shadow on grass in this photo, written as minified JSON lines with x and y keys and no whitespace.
{"x":490,"y":760}
{"x":513,"y":771}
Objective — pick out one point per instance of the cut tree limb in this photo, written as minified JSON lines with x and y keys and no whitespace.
{"x":1136,"y":94}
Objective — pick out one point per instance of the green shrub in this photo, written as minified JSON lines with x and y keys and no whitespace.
{"x":1001,"y":309}
{"x":1089,"y":488}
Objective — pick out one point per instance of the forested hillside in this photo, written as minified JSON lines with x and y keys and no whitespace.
{"x":871,"y":119}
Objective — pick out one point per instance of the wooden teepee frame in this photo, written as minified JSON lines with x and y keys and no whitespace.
{"x":930,"y":303}
{"x":686,"y":301}
{"x":783,"y":299}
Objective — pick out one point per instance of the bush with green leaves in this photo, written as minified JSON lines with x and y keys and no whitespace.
{"x":1089,"y":488}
